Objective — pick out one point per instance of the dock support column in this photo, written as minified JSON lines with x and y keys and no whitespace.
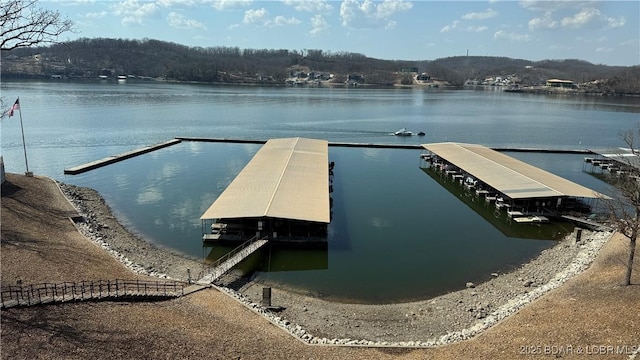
{"x":266,"y":297}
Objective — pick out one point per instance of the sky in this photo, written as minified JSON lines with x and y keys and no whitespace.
{"x":600,"y":32}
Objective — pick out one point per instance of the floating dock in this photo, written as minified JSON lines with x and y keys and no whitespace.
{"x":524,"y":191}
{"x":531,"y":219}
{"x":385,"y":146}
{"x":116,"y":158}
{"x":587,"y":223}
{"x":127,"y":155}
{"x":335,"y":144}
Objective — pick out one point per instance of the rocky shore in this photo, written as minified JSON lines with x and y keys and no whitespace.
{"x":591,"y":312}
{"x":442,"y":320}
{"x":98,"y":224}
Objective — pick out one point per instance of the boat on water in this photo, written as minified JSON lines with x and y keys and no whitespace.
{"x":403,"y":132}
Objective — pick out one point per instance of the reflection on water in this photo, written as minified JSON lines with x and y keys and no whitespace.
{"x":275,"y":257}
{"x":555,"y":230}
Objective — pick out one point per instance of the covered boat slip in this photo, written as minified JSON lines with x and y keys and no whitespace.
{"x":515,"y":185}
{"x":618,"y":161}
{"x":514,"y":226}
{"x":283,"y":192}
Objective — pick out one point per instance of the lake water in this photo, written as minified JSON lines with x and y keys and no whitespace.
{"x":396,"y":233}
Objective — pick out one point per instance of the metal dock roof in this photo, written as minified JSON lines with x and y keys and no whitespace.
{"x":512,"y":177}
{"x":287,"y":178}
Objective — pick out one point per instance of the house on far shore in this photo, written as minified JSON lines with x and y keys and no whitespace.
{"x":566,"y":84}
{"x":423,"y":77}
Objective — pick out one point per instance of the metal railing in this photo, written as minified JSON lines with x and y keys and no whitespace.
{"x":27,"y":295}
{"x":228,"y":256}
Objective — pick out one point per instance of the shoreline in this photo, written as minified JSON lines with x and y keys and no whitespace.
{"x":447,"y":318}
{"x":444,"y":319}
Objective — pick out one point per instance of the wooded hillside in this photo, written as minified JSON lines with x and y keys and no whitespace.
{"x":153,"y":59}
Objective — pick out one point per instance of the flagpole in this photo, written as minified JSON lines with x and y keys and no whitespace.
{"x":24,"y":146}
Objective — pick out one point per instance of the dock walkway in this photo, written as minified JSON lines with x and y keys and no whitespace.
{"x":130,"y":154}
{"x":381,"y":145}
{"x":227,"y":262}
{"x":98,"y":290}
{"x":587,"y":222}
{"x":116,"y":158}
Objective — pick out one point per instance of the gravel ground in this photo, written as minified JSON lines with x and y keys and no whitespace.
{"x":552,"y":301}
{"x":445,"y":319}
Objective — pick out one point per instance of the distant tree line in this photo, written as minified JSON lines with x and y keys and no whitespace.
{"x":158,"y":59}
{"x":89,"y":58}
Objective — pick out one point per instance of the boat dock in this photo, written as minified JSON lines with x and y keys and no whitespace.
{"x":116,"y":158}
{"x":531,"y":219}
{"x":524,"y":191}
{"x":284,"y":192}
{"x":334,"y":144}
{"x":385,"y":146}
{"x":129,"y":154}
{"x":615,"y":162}
{"x":586,"y":222}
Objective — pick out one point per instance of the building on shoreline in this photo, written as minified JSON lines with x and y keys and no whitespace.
{"x":564,"y":84}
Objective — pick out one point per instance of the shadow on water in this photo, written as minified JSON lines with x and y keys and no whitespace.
{"x":554,"y":230}
{"x":275,"y":257}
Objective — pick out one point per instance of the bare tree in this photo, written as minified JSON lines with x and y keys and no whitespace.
{"x":624,"y":208}
{"x":24,"y":24}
